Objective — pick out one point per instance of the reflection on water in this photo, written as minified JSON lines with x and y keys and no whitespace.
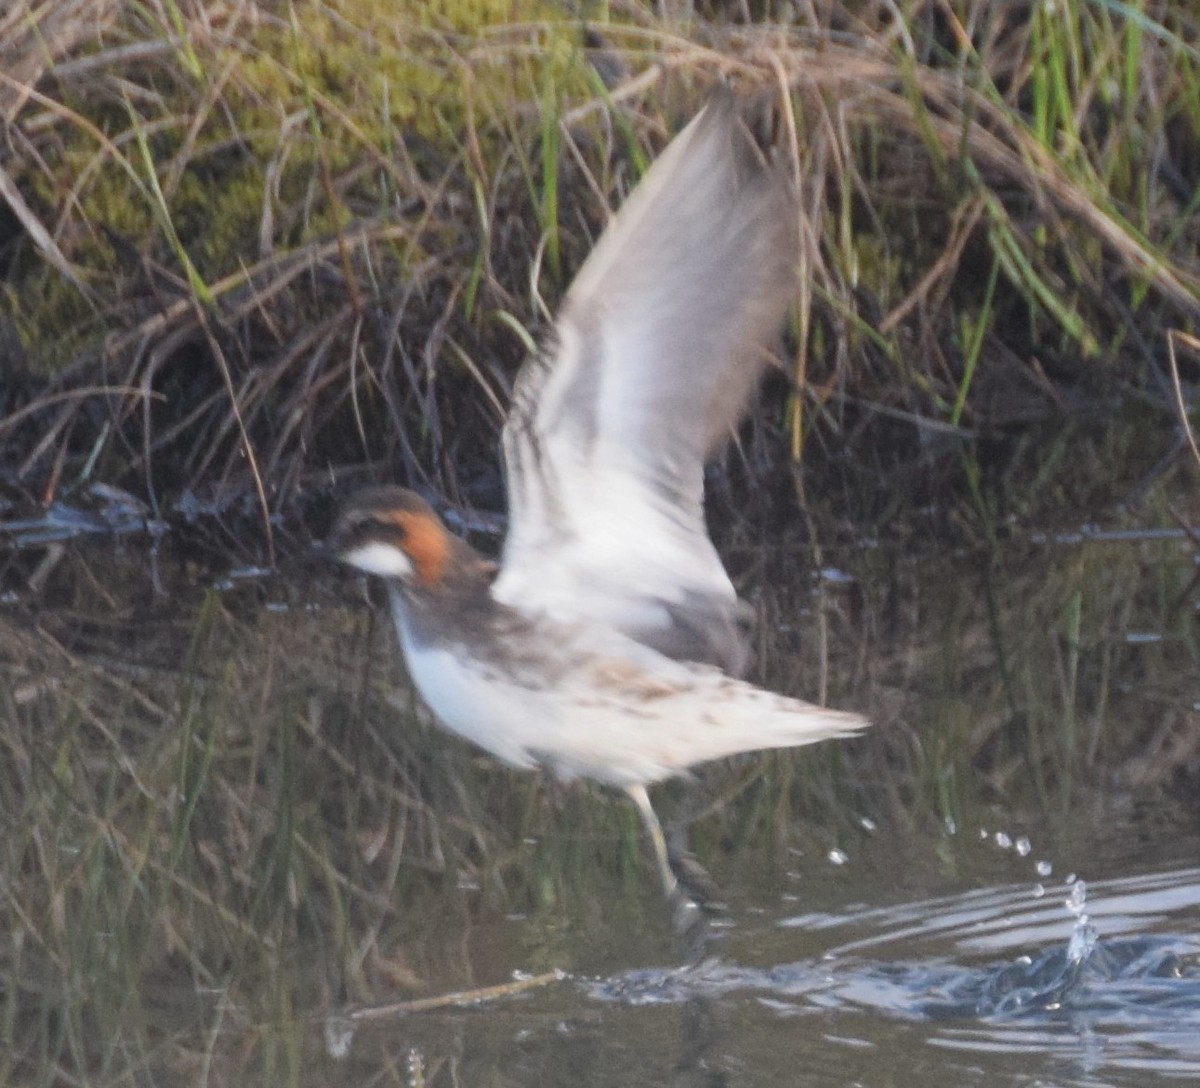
{"x":227,"y":848}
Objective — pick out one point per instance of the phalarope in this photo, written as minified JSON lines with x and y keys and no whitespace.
{"x":607,"y":643}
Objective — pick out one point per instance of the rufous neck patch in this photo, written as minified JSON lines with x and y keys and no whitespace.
{"x":427,"y":544}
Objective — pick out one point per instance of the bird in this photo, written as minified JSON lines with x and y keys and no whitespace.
{"x":608,"y":642}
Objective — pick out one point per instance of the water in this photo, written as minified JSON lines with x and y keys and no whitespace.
{"x":230,"y":856}
{"x":991,"y":986}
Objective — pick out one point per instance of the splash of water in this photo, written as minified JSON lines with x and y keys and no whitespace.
{"x":1083,"y":936}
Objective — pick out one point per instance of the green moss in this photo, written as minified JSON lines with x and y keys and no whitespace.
{"x":280,"y":120}
{"x":877,"y":265}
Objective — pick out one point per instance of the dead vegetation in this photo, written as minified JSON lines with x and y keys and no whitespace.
{"x":255,"y":251}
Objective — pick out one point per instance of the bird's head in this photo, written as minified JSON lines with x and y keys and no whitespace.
{"x":395,"y":534}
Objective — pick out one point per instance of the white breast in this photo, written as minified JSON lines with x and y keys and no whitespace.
{"x":470,"y":699}
{"x":498,"y":716}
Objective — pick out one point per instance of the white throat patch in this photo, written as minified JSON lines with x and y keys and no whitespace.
{"x":386,"y":560}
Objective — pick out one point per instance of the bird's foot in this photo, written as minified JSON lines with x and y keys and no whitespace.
{"x":695,"y":881}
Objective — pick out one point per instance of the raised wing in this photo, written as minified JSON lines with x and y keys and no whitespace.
{"x":661,"y":338}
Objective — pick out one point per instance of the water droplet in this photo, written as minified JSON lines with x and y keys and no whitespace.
{"x":1141,"y":638}
{"x":339,"y":1034}
{"x":1023,"y":846}
{"x":838,"y":857}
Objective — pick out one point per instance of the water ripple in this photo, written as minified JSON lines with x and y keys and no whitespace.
{"x":1109,"y":975}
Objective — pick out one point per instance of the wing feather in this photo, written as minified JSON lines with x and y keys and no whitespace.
{"x":661,"y":339}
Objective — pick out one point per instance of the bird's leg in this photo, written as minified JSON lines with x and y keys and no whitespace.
{"x":692,"y":876}
{"x":654,"y":829}
{"x":689,"y":921}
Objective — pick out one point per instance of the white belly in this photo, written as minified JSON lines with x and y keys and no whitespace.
{"x":501,"y":717}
